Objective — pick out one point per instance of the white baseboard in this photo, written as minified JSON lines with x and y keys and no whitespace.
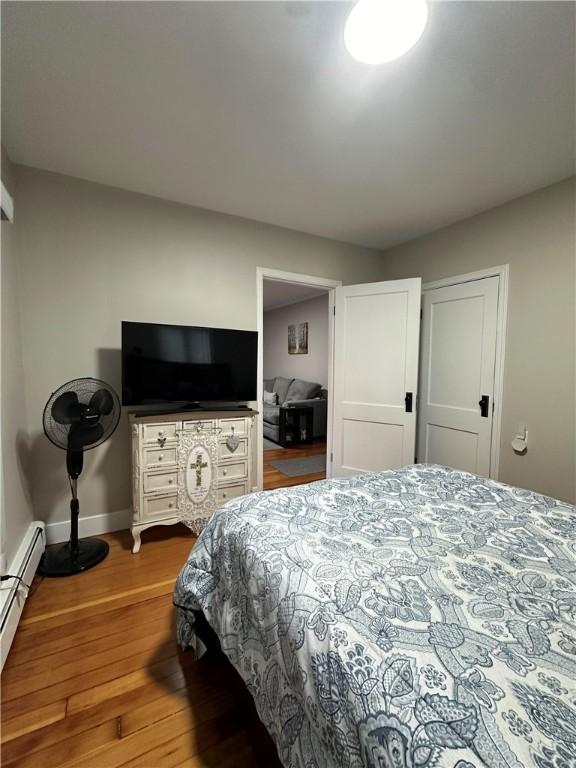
{"x":89,"y":526}
{"x":12,"y":593}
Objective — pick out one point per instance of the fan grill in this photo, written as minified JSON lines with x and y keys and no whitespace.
{"x":84,"y":389}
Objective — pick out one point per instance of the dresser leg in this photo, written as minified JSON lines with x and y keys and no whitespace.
{"x":137,"y":541}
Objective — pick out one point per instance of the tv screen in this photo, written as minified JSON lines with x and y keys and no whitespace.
{"x":186,"y":364}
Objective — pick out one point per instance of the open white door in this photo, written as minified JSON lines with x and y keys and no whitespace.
{"x":459,"y":330}
{"x":375,"y":376}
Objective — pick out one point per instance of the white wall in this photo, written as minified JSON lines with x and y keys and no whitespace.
{"x":277,"y":361}
{"x":536,"y":236}
{"x":16,"y":513}
{"x":92,"y":256}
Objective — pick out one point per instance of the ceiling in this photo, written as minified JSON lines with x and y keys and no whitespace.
{"x":279,"y":294}
{"x":256,"y":109}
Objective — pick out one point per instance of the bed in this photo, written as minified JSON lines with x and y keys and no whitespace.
{"x":412,"y":618}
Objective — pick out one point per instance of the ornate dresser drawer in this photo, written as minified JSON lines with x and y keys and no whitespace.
{"x":159,"y":457}
{"x":236,"y":450}
{"x":228,"y":492}
{"x":199,"y":424}
{"x":158,"y":482}
{"x":236,"y":470}
{"x":160,"y":433}
{"x":159,"y":507}
{"x":233,"y":426}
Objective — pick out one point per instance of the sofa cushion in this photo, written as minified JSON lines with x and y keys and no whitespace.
{"x":271,"y":414}
{"x":281,"y":387}
{"x":268,"y":385}
{"x":303,"y":390}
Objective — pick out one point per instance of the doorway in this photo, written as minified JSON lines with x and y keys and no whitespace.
{"x":295,"y":376}
{"x":386,"y":409}
{"x":461,"y":371}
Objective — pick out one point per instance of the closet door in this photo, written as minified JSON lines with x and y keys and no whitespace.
{"x":375,"y":376}
{"x":459,"y":327}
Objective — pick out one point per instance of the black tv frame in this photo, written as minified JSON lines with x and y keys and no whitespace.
{"x":171,"y":406}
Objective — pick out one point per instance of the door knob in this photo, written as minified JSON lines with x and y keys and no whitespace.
{"x":484,"y":403}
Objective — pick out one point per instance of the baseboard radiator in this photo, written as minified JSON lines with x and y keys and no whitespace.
{"x":13,"y":592}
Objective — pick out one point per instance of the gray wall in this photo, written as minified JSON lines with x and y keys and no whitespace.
{"x":277,"y":361}
{"x":16,"y":509}
{"x":535,"y":235}
{"x":90,"y":256}
{"x":93,"y":256}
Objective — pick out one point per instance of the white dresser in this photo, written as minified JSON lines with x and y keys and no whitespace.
{"x":185,"y":465}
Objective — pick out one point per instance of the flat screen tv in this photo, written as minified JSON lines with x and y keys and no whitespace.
{"x":187,"y":365}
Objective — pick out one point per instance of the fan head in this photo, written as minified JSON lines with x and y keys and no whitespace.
{"x":81,"y":414}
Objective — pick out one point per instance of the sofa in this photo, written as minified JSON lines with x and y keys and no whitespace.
{"x":293,"y":392}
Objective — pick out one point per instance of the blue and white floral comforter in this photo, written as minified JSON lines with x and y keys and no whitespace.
{"x":419,"y":617}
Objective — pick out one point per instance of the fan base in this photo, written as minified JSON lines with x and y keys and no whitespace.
{"x":63,"y":561}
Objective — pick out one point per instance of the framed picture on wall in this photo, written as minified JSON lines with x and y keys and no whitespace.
{"x":298,"y":339}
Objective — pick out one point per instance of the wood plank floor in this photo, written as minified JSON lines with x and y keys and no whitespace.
{"x":273,"y":478}
{"x":94,"y":678}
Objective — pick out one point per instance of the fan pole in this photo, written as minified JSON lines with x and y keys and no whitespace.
{"x":74,"y":464}
{"x":74,"y":514}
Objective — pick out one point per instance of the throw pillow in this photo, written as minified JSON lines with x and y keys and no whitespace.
{"x":281,"y":385}
{"x":270,"y":398}
{"x":303,"y":390}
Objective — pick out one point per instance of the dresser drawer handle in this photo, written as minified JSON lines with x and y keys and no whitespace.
{"x":224,"y":471}
{"x":160,"y":457}
{"x":223,"y":495}
{"x":170,"y":481}
{"x":170,"y":505}
{"x":161,"y":433}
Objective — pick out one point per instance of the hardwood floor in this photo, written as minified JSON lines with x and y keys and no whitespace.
{"x":273,"y":478}
{"x":94,"y":678}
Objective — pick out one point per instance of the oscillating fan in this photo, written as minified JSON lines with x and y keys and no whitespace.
{"x":80,"y":415}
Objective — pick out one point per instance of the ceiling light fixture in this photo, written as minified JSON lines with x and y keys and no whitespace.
{"x":378,"y":31}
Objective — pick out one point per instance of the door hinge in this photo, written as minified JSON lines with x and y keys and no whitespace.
{"x":334,"y":309}
{"x":420,"y":313}
{"x":331,"y":457}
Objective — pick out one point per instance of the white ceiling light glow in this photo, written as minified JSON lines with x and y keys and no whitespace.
{"x":378,"y":31}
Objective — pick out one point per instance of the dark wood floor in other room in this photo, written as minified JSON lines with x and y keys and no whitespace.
{"x":273,"y":478}
{"x":95,"y":680}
